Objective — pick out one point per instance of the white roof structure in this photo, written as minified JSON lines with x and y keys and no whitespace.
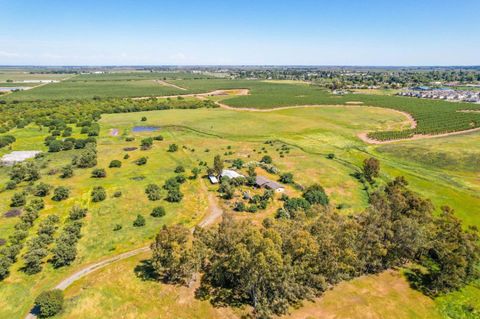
{"x":213,"y":179}
{"x":17,"y":156}
{"x":230,"y":174}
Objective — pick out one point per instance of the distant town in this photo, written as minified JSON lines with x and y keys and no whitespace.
{"x":442,"y":93}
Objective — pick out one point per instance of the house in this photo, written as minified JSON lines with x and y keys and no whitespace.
{"x":230,"y":174}
{"x":17,"y":156}
{"x":261,"y":181}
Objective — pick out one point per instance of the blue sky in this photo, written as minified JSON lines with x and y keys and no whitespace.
{"x":335,"y":32}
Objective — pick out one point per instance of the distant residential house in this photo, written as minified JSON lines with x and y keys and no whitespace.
{"x":264,"y":182}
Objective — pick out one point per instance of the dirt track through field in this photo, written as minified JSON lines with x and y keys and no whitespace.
{"x":165,"y":83}
{"x":215,"y":212}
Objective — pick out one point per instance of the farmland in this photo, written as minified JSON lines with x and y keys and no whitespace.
{"x":215,"y":130}
{"x":301,"y":141}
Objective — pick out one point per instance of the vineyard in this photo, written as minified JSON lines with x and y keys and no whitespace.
{"x":432,"y":117}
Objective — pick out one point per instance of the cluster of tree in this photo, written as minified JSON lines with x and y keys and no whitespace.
{"x":313,"y":199}
{"x":65,"y":250}
{"x":362,"y":77}
{"x":172,"y":186}
{"x":153,"y":192}
{"x":6,"y":140}
{"x":38,"y":246}
{"x":27,"y":171}
{"x":274,"y":267}
{"x":256,"y":202}
{"x":67,"y":144}
{"x":57,"y":114}
{"x":8,"y":254}
{"x":146,"y":143}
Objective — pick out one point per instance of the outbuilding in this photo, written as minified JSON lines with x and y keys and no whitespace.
{"x":264,"y":182}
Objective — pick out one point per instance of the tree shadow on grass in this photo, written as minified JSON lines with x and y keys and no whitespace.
{"x":145,"y":271}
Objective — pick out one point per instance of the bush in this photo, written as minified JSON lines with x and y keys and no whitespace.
{"x":174,"y":195}
{"x":49,"y":303}
{"x":117,"y":227}
{"x":179,"y":169}
{"x":286,"y":178}
{"x":67,"y":171}
{"x":117,"y":194}
{"x":55,"y":146}
{"x":331,"y":156}
{"x":267,"y":159}
{"x":153,"y":192}
{"x":18,"y":199}
{"x":146,"y":143}
{"x":11,"y":185}
{"x":77,"y":213}
{"x":173,"y":148}
{"x":158,"y":212}
{"x":129,"y":139}
{"x":98,"y":194}
{"x":158,"y":138}
{"x":60,"y":193}
{"x":115,"y":163}
{"x":41,"y":190}
{"x":141,"y":161}
{"x":99,"y":173}
{"x":139,"y":221}
{"x":144,"y":118}
{"x":126,"y":156}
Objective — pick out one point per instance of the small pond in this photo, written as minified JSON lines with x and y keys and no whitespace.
{"x":139,"y":129}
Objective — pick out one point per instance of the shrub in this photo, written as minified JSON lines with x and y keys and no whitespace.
{"x":77,"y":213}
{"x":117,"y":227}
{"x":139,"y":221}
{"x":99,"y":173}
{"x":153,"y":192}
{"x":267,"y":159}
{"x":11,"y":185}
{"x":331,"y":156}
{"x":144,"y":118}
{"x":36,"y":204}
{"x":18,"y":199}
{"x":129,"y":139}
{"x":286,"y":178}
{"x":115,"y":164}
{"x":173,"y":148}
{"x":60,"y":193}
{"x":67,"y":171}
{"x":41,"y":190}
{"x":98,"y":194}
{"x":146,"y":143}
{"x":126,"y":156}
{"x":158,"y":138}
{"x":117,"y":194}
{"x":55,"y":146}
{"x":141,"y":161}
{"x":49,"y":303}
{"x":158,"y":212}
{"x":174,"y":195}
{"x":179,"y":169}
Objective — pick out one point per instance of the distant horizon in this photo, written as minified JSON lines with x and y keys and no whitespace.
{"x":237,"y":65}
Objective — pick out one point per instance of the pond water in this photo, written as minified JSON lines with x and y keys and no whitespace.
{"x":137,"y":129}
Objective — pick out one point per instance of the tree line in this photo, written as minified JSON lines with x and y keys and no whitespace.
{"x":287,"y":260}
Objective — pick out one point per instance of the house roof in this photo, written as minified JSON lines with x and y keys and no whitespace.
{"x":265,"y":182}
{"x":230,"y":174}
{"x":213,"y":179}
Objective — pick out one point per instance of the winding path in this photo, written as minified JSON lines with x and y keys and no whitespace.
{"x":215,"y":212}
